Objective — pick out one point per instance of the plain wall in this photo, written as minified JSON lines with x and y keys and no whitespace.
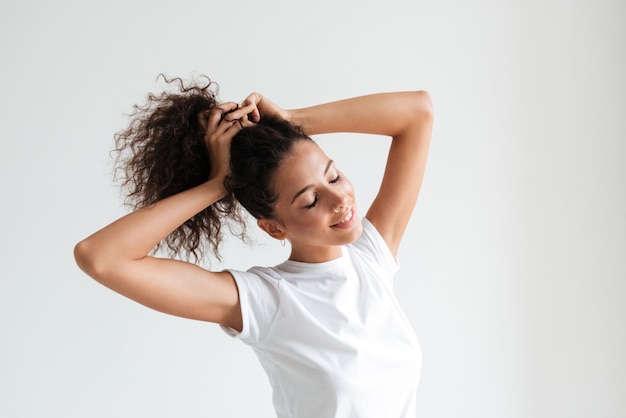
{"x":513,"y":266}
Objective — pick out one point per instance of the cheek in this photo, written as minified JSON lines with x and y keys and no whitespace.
{"x":307,"y":223}
{"x":297,"y":219}
{"x":308,"y":220}
{"x":348,"y":187}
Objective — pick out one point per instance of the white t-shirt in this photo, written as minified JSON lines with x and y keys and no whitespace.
{"x":331,"y":336}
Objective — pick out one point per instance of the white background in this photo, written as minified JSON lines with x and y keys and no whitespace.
{"x":514,"y":265}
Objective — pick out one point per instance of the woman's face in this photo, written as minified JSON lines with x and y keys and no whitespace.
{"x":316,"y":208}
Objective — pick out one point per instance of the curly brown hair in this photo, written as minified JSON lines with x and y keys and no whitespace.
{"x":162,"y":152}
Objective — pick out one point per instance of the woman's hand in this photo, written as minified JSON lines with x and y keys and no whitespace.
{"x":222,"y":123}
{"x":264,"y":106}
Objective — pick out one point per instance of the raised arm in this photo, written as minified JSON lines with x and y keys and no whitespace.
{"x":407,"y":117}
{"x":117,"y":255}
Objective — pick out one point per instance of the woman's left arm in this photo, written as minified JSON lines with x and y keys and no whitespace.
{"x":407,"y":117}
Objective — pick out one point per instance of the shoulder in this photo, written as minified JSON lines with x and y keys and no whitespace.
{"x":257,"y":280}
{"x":259,"y":299}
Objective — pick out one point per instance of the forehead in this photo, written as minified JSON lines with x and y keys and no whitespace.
{"x":305,"y":163}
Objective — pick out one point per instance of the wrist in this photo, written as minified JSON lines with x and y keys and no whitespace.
{"x":214,"y":187}
{"x":295,"y":117}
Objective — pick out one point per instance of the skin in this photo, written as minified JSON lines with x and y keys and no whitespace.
{"x":311,"y":220}
{"x":117,"y":255}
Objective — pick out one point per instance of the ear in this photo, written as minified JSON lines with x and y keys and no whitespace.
{"x":273,"y":228}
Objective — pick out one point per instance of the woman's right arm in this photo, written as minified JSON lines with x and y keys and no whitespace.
{"x":117,"y":255}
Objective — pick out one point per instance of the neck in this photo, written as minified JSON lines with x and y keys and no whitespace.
{"x":316,"y":255}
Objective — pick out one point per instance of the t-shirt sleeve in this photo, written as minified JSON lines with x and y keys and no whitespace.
{"x":378,"y":252}
{"x":258,"y":298}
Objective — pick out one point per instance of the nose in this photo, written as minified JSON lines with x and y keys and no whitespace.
{"x":340,"y":202}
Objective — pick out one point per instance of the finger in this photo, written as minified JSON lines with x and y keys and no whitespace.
{"x":246,"y":123}
{"x":223,"y":118}
{"x":215,"y":116}
{"x":240,"y":112}
{"x":229,"y":107}
{"x":254,"y":98}
{"x":203,"y":118}
{"x":255,"y":115}
{"x":236,"y":126}
{"x":225,"y":131}
{"x":217,"y":113}
{"x":222,"y":129}
{"x":231,"y":127}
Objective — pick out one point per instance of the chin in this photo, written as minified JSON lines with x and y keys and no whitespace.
{"x":356,"y":232}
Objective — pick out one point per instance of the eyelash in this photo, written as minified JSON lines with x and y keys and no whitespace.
{"x":312,"y":205}
{"x":333,"y":181}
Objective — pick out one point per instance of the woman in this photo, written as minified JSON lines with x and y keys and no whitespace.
{"x":325,"y":324}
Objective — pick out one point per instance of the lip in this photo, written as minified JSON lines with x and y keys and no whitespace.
{"x":344,"y":215}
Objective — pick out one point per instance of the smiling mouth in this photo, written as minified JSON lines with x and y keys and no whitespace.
{"x":347,"y":218}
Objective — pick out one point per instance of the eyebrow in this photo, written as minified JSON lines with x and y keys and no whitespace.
{"x":305,"y":188}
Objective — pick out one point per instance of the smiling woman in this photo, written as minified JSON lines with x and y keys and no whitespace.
{"x":325,"y":324}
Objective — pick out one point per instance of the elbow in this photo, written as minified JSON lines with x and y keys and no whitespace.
{"x":423,"y":104}
{"x":417,"y":115}
{"x":87,"y":259}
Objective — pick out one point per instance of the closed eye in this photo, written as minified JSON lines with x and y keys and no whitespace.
{"x":336,"y":179}
{"x":312,"y":205}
